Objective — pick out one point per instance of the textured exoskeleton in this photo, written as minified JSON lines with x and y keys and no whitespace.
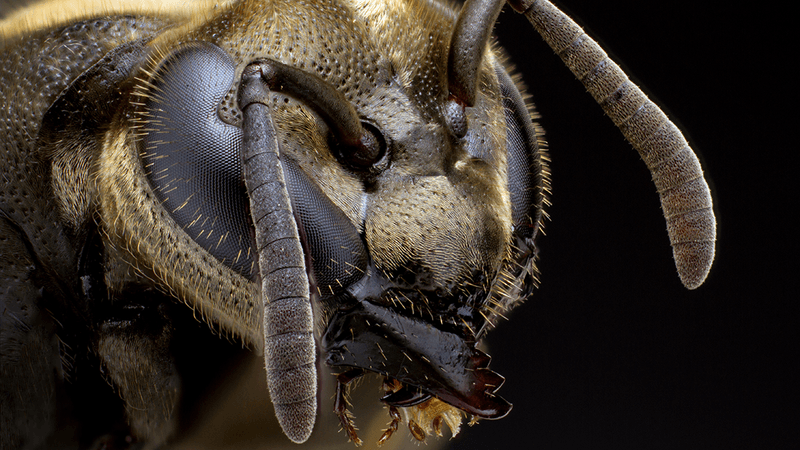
{"x":350,"y":184}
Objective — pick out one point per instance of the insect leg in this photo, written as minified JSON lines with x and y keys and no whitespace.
{"x":393,"y":425}
{"x":340,"y":404}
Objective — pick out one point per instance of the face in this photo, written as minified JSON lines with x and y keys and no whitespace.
{"x":414,"y":243}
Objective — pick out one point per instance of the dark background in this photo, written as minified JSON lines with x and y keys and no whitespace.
{"x":612,"y":351}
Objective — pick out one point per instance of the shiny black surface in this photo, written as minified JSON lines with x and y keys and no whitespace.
{"x":415,"y":353}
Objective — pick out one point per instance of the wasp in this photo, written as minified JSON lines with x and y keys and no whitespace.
{"x":346,"y":186}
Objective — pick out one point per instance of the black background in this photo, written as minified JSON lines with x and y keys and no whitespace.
{"x":612,"y":351}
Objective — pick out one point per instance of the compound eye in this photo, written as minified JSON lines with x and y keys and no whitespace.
{"x":192,"y":159}
{"x":525,"y":170}
{"x":368,"y":151}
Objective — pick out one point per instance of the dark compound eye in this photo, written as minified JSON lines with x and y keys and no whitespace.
{"x":192,"y":158}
